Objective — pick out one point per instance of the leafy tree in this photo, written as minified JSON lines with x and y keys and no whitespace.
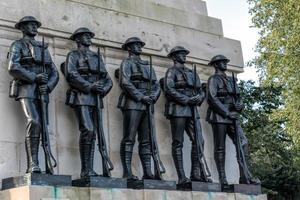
{"x":272,"y":149}
{"x":279,"y":55}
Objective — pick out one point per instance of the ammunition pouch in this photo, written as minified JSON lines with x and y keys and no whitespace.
{"x":71,"y":95}
{"x":180,"y":85}
{"x":136,"y":76}
{"x":187,"y":91}
{"x":121,"y":101}
{"x":14,"y":89}
{"x":141,"y":85}
{"x":90,"y":77}
{"x":184,"y":85}
{"x":27,"y":61}
{"x":222,"y":94}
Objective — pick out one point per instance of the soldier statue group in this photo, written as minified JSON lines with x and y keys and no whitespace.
{"x":35,"y":76}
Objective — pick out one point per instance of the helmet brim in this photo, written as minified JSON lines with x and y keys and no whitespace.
{"x":18,"y":25}
{"x":73,"y":36}
{"x":174,"y":52}
{"x":212,"y":62}
{"x":124,"y":46}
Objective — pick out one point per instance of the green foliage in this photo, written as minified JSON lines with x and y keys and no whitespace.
{"x":272,"y":150}
{"x":279,"y":55}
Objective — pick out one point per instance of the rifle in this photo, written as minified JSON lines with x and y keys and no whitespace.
{"x":197,"y":129}
{"x":159,"y":168}
{"x":106,"y":162}
{"x":239,"y":150}
{"x":44,"y":118}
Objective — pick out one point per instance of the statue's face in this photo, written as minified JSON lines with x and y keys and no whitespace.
{"x":221,"y":65}
{"x":135,"y":48}
{"x":85,"y":39}
{"x":29,"y":28}
{"x":180,"y":57}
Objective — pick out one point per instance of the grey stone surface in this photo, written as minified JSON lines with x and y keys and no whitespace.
{"x":77,"y":193}
{"x":172,"y":22}
{"x":112,"y":26}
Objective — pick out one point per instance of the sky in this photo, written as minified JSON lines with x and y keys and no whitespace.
{"x":236,"y":22}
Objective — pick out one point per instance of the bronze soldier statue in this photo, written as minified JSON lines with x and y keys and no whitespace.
{"x":136,"y":76}
{"x":183,"y":92}
{"x":35,"y":76}
{"x":225,"y":104}
{"x":89,"y":83}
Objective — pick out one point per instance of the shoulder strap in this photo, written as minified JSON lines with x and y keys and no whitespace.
{"x":182,"y":72}
{"x":225,"y":82}
{"x":26,"y":44}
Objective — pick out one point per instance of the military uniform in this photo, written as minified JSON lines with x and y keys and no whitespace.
{"x":221,"y":101}
{"x":134,"y":81}
{"x":25,"y":63}
{"x":179,"y":87}
{"x":83,"y":68}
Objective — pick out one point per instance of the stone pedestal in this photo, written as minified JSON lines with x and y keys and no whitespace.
{"x":36,"y":179}
{"x":244,"y":189}
{"x":199,"y":186}
{"x":86,"y":193}
{"x":152,"y":184}
{"x":102,"y":182}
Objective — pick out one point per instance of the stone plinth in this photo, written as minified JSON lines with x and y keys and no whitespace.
{"x":36,"y":179}
{"x":103,"y":182}
{"x":74,"y":193}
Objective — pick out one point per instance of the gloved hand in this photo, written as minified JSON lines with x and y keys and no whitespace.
{"x":147,"y":100}
{"x":42,"y":78}
{"x":195,"y":100}
{"x":97,"y":88}
{"x":43,"y":89}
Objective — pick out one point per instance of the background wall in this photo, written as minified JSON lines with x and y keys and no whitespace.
{"x":162,"y":24}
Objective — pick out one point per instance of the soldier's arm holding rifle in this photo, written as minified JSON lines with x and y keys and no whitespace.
{"x":53,"y":77}
{"x":105,"y":83}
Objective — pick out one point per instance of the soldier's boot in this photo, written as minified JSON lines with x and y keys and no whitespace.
{"x":145,"y":156}
{"x":92,"y":153}
{"x":86,"y":162}
{"x":178,"y":161}
{"x":250,"y":179}
{"x":220,"y":162}
{"x":126,"y":157}
{"x":32,"y":149}
{"x":197,"y":173}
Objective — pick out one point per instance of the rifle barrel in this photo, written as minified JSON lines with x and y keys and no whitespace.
{"x":107,"y":164}
{"x":240,"y":152}
{"x":45,"y":134}
{"x":200,"y":150}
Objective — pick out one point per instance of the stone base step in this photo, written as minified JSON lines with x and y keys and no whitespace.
{"x":36,"y":179}
{"x":101,"y":182}
{"x":151,"y":184}
{"x":199,"y":186}
{"x":86,"y":193}
{"x":243,"y":188}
